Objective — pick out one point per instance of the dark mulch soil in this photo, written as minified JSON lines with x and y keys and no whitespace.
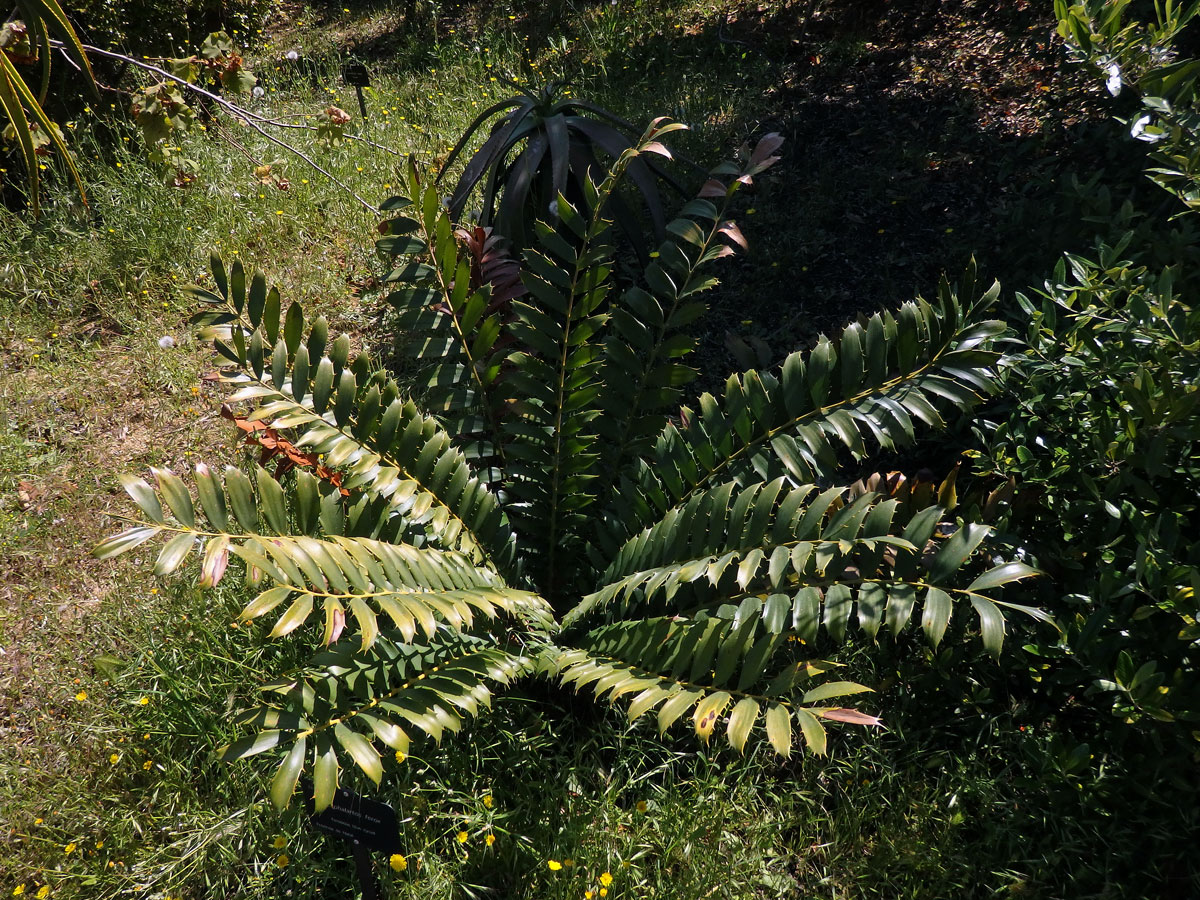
{"x":920,"y":133}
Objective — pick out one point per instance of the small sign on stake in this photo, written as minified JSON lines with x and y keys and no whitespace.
{"x":367,"y":824}
{"x":355,"y":75}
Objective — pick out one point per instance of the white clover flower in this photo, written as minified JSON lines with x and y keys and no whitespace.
{"x":1114,"y":79}
{"x":292,"y":55}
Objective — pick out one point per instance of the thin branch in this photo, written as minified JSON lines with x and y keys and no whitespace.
{"x":234,"y":110}
{"x":248,"y":114}
{"x":350,"y":137}
{"x":237,"y":145}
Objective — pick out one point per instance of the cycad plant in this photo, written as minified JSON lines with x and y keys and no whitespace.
{"x":554,"y":511}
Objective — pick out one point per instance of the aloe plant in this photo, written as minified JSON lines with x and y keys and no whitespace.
{"x":542,"y":504}
{"x":545,"y":144}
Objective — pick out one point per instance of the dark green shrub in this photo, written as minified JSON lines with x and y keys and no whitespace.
{"x":1101,"y":427}
{"x":1104,"y":435}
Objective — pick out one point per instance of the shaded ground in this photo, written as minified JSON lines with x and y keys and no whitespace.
{"x":919,"y":133}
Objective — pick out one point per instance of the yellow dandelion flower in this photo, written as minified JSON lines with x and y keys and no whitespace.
{"x":569,"y":863}
{"x":148,"y":765}
{"x":461,"y":837}
{"x":38,"y":820}
{"x":641,"y":806}
{"x":282,"y":860}
{"x":401,"y":756}
{"x":490,"y":839}
{"x":603,"y":892}
{"x":397,"y":862}
{"x":588,"y":895}
{"x":44,"y":890}
{"x":606,"y":879}
{"x":70,"y":848}
{"x":81,"y":696}
{"x":553,"y":864}
{"x":18,"y":890}
{"x":145,"y":701}
{"x":280,"y":842}
{"x":487,"y":801}
{"x":99,"y":845}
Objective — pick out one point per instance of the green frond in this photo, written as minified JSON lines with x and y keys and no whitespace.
{"x":18,"y":103}
{"x":707,"y":666}
{"x":356,"y":580}
{"x":555,"y":382}
{"x":345,"y":702}
{"x":799,"y":559}
{"x":352,"y":580}
{"x":642,"y":374}
{"x":449,"y":319}
{"x":865,"y":390}
{"x":381,"y":443}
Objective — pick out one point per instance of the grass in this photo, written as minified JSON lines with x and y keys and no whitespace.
{"x":106,"y":795}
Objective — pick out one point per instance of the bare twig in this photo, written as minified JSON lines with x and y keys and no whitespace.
{"x":249,"y":114}
{"x":244,"y":113}
{"x":237,"y":145}
{"x":278,"y":123}
{"x":251,"y":119}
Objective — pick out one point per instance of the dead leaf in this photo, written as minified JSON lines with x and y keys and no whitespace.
{"x":851,"y":716}
{"x":26,"y":495}
{"x":274,"y":446}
